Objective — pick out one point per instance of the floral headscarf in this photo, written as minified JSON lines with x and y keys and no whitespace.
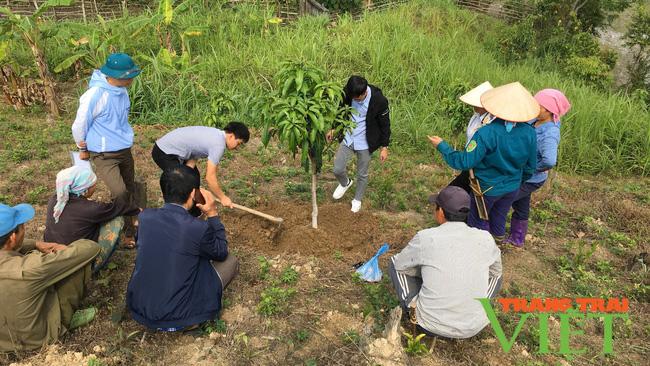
{"x":75,"y":180}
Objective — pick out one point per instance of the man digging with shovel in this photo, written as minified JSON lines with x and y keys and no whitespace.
{"x":185,"y":145}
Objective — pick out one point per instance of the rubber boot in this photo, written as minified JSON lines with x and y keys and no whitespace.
{"x":518,"y":229}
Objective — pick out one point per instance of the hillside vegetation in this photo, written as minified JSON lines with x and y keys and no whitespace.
{"x":219,"y":60}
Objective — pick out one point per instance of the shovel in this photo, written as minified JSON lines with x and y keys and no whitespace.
{"x":278,"y":220}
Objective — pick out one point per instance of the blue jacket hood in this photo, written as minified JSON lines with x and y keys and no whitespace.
{"x":98,"y":79}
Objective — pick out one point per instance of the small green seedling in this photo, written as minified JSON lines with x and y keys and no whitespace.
{"x":414,"y":346}
{"x":289,"y":276}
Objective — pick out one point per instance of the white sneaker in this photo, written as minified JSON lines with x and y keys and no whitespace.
{"x":340,"y":190}
{"x":356,"y":206}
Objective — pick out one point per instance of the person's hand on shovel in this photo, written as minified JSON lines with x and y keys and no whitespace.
{"x":226,"y":201}
{"x":209,"y":208}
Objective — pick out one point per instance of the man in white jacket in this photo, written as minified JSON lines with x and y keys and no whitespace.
{"x":444,"y":270}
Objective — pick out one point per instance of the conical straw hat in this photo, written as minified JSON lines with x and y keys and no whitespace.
{"x":510,"y":102}
{"x":473,"y":97}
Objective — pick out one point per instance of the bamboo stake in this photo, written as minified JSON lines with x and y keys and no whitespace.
{"x":83,"y":10}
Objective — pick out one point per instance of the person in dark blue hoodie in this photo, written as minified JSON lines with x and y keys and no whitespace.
{"x":102,"y":132}
{"x":182,"y":265}
{"x":502,"y":154}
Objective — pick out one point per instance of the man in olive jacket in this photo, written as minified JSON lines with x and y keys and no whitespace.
{"x":41,"y":283}
{"x":371,"y":132}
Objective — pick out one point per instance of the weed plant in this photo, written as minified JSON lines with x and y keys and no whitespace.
{"x":414,"y":346}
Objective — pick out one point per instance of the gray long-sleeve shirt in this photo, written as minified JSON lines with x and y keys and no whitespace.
{"x":456,"y":263}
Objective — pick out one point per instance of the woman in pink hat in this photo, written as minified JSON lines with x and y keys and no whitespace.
{"x":553,"y":105}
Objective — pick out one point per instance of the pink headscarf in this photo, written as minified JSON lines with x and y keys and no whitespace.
{"x":554,"y":101}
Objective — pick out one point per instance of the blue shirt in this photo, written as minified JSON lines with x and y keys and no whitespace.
{"x":174,"y":284}
{"x":103,"y":117}
{"x":548,"y":141}
{"x":356,"y":139}
{"x":501,"y":160}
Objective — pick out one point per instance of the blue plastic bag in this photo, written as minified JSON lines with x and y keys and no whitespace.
{"x":370,"y":271}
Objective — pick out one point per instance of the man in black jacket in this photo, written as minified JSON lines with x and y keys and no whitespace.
{"x":372,"y":131}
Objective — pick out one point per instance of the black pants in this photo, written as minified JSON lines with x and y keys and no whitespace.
{"x":462,"y":181}
{"x":169,"y":161}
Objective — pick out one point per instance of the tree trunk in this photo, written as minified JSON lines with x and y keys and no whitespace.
{"x":44,"y":73}
{"x":314,"y":201}
{"x":168,"y":41}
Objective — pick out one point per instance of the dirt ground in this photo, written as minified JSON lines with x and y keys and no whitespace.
{"x":327,"y":316}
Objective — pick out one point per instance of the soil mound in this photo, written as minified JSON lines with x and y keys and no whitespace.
{"x":338,"y":230}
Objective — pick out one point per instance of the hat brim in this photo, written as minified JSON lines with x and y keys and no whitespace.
{"x":120,"y":74}
{"x":25,"y":212}
{"x":433,"y":199}
{"x":511,"y":102}
{"x":473,"y":97}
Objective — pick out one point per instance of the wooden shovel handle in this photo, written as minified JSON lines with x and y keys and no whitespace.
{"x":278,"y":220}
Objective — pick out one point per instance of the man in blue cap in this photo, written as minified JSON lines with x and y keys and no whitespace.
{"x":41,"y":283}
{"x":102,"y":131}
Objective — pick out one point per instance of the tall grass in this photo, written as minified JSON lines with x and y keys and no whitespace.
{"x":411,"y":52}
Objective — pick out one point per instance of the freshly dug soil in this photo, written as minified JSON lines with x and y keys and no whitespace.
{"x":353,"y":235}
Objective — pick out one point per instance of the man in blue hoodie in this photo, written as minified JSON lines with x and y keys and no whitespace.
{"x":102,"y":132}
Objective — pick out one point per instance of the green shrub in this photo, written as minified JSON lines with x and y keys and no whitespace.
{"x":215,"y":326}
{"x":590,"y":69}
{"x":289,"y":276}
{"x":274,"y":300}
{"x":518,"y":42}
{"x":456,"y":111}
{"x":380,"y":299}
{"x":265,"y":267}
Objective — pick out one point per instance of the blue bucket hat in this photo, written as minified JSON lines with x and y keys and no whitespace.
{"x":120,"y":66}
{"x":11,"y":217}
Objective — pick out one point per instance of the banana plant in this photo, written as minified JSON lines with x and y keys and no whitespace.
{"x":97,"y":41}
{"x":16,"y":27}
{"x":303,"y":109}
{"x":165,"y":25}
